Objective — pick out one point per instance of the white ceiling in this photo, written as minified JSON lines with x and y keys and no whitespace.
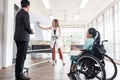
{"x":65,"y":10}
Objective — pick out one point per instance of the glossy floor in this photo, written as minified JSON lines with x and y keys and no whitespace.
{"x":44,"y":71}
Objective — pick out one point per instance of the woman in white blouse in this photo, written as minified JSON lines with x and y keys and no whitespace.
{"x":55,"y":39}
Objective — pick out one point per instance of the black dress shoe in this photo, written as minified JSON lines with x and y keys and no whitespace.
{"x":23,"y":78}
{"x":69,"y":74}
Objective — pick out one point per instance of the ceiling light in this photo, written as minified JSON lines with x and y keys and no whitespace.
{"x":46,"y":4}
{"x":76,"y":17}
{"x":83,"y":3}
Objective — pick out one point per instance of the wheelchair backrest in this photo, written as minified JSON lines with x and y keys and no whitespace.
{"x":98,"y":50}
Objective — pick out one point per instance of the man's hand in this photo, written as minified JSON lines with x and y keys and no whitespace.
{"x":33,"y":32}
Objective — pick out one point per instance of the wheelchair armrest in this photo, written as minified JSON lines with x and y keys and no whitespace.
{"x":86,"y":51}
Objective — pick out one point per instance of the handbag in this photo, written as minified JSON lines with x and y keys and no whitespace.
{"x":99,"y":51}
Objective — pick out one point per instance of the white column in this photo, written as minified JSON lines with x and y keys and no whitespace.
{"x":8,"y":33}
{"x":1,"y":26}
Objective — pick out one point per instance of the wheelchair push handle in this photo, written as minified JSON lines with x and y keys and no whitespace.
{"x":104,"y":41}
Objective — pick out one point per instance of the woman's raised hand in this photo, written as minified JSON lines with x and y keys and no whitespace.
{"x":38,"y":23}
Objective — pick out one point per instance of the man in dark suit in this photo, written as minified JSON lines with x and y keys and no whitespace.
{"x":21,"y":37}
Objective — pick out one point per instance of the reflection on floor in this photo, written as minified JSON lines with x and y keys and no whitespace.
{"x":44,"y":71}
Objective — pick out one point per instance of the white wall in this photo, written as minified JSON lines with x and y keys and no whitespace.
{"x":1,"y":13}
{"x":8,"y":33}
{"x":1,"y":30}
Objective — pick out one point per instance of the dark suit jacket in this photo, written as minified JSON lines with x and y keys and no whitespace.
{"x":22,"y":26}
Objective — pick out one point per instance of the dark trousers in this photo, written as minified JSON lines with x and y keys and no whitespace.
{"x":20,"y":57}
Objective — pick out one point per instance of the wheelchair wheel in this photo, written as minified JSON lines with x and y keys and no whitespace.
{"x":110,"y":67}
{"x":89,"y":67}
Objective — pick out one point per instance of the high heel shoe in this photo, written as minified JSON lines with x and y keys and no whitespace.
{"x":63,"y":64}
{"x":53,"y":64}
{"x":55,"y":61}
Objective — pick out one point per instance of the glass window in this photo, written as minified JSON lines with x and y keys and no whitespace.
{"x":108,"y":24}
{"x":100,"y":26}
{"x":73,"y":35}
{"x":95,"y":24}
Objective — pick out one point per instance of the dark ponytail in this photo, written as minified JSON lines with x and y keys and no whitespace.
{"x":98,"y":38}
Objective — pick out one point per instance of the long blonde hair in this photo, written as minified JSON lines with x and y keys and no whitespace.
{"x":56,"y":23}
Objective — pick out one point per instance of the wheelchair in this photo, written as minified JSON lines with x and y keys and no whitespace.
{"x":92,"y":64}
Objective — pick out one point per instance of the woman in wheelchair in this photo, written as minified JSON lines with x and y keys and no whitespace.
{"x":90,"y":61}
{"x":90,"y":35}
